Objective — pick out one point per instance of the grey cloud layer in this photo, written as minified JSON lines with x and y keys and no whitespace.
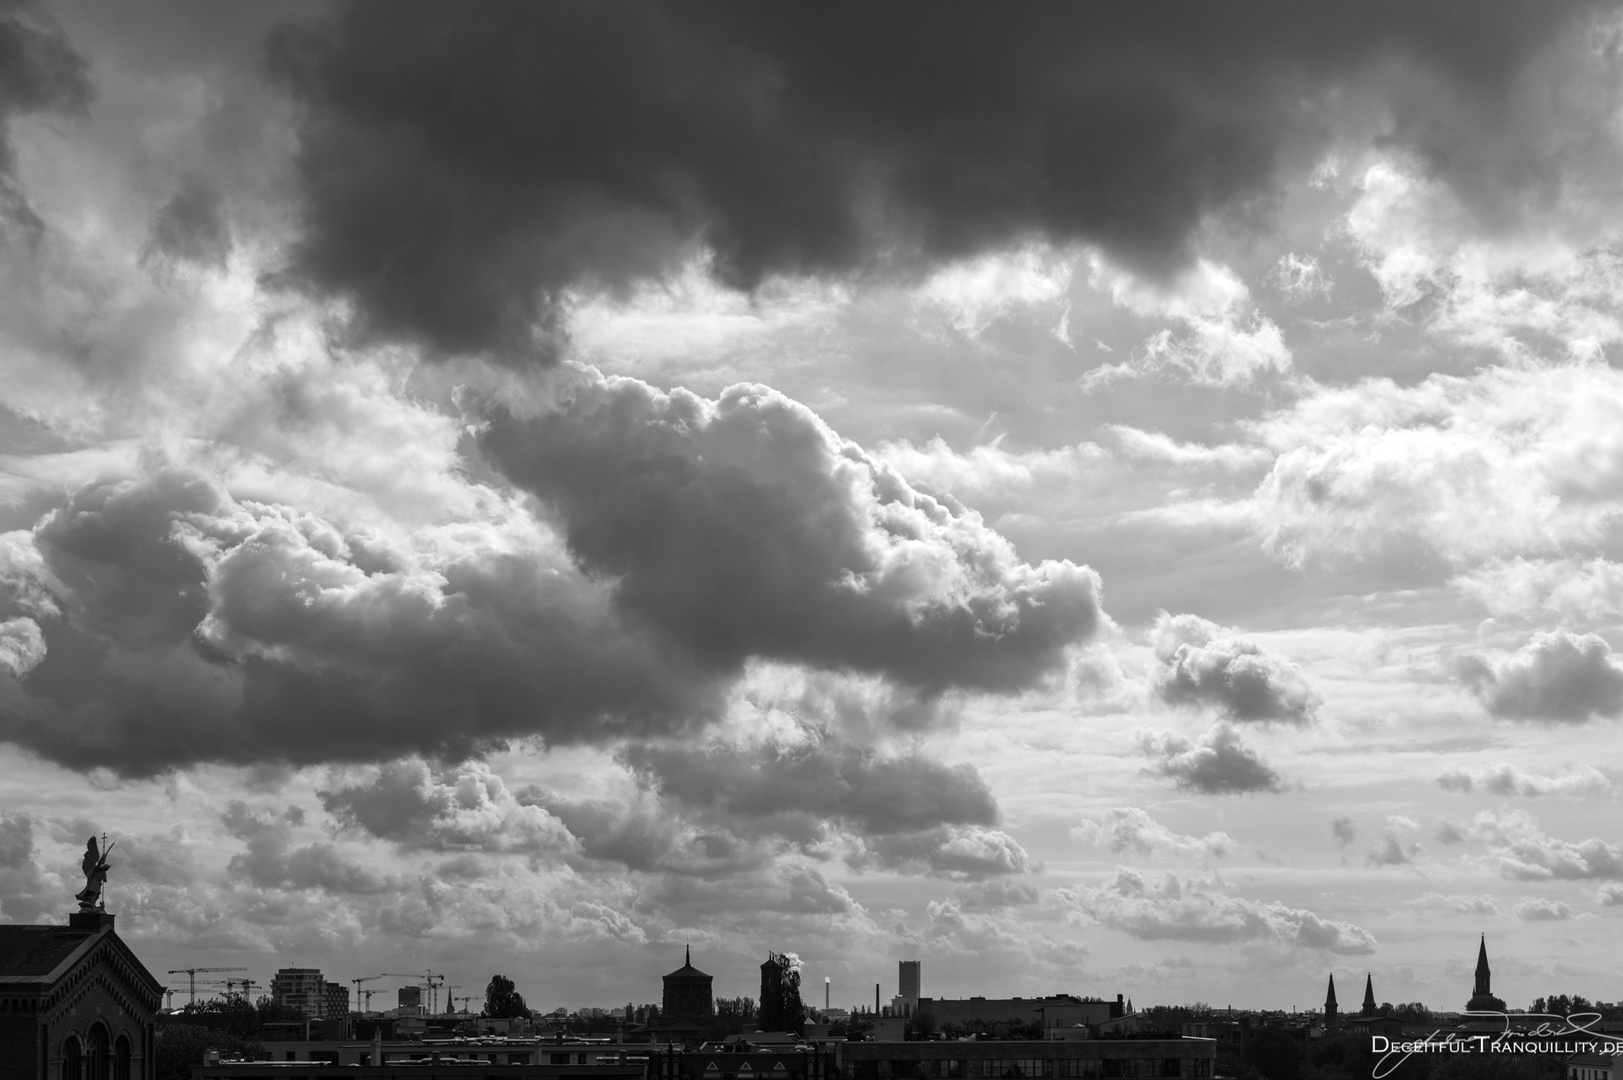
{"x":722,"y":809}
{"x":791,"y":790}
{"x":461,"y":167}
{"x":40,"y":72}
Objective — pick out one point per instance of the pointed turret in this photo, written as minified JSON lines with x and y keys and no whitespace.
{"x":1482,"y":999}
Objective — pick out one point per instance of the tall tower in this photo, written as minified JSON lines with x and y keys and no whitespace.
{"x":687,"y":992}
{"x":907,"y":983}
{"x":1369,"y":995}
{"x":1482,"y":999}
{"x":1330,"y":1003}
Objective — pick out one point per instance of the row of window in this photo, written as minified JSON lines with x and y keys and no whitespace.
{"x":1109,"y":1068}
{"x":95,"y":1059}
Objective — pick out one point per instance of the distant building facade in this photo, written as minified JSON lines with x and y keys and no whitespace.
{"x":334,"y":1001}
{"x":75,"y":1001}
{"x":300,"y":988}
{"x":1058,"y":1010}
{"x":908,"y":982}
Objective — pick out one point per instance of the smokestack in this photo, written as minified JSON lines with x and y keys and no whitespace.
{"x":876,"y":999}
{"x":825,"y":993}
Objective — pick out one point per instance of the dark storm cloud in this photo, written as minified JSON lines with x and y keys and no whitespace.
{"x":744,"y":527}
{"x":40,"y":72}
{"x":1557,"y":676}
{"x":461,"y":165}
{"x":1201,"y":665}
{"x":192,"y":225}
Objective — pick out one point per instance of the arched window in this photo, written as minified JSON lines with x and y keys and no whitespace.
{"x":121,"y":1058}
{"x":99,"y":1057}
{"x":73,"y":1059}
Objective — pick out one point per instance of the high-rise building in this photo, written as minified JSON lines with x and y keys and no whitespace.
{"x":907,"y":983}
{"x":409,"y":997}
{"x":334,"y":1001}
{"x":300,"y":988}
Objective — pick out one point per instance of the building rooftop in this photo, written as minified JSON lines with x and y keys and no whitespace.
{"x":688,"y":970}
{"x":29,"y":953}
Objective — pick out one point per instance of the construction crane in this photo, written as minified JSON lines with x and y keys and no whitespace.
{"x":465,"y":999}
{"x":246,"y":984}
{"x":358,"y":992}
{"x":191,"y":974}
{"x":208,"y":986}
{"x":429,"y":983}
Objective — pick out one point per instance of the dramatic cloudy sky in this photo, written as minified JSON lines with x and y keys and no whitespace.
{"x":1094,"y":498}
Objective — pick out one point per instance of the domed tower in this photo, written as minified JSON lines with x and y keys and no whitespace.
{"x":1482,"y":999}
{"x":687,"y":993}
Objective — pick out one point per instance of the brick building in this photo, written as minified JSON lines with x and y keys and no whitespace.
{"x":74,"y":1000}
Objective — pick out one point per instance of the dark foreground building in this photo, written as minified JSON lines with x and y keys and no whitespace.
{"x":75,"y":1002}
{"x":1082,"y":1058}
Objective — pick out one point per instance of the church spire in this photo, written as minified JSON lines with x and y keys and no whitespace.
{"x":1330,"y":1003}
{"x":1482,"y":973}
{"x":1369,"y":995}
{"x":688,"y":959}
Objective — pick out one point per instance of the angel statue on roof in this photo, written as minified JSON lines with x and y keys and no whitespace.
{"x":95,"y":868}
